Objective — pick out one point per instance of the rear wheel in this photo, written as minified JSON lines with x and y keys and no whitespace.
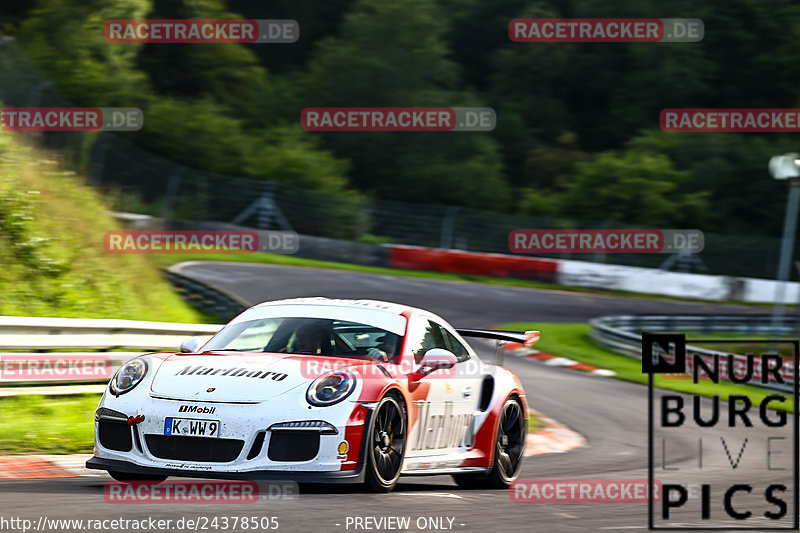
{"x":509,"y":450}
{"x":386,"y":445}
{"x":124,"y":477}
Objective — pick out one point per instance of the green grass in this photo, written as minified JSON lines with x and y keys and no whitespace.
{"x":47,"y":424}
{"x":535,"y":423}
{"x":572,"y":341}
{"x":52,"y":254}
{"x":166,"y":260}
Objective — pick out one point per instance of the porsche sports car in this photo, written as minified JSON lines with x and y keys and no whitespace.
{"x":318,"y":390}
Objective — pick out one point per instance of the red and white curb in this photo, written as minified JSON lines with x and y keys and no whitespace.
{"x":554,"y":360}
{"x":554,"y":438}
{"x":44,"y":466}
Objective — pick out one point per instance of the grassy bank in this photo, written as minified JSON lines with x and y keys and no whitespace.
{"x":52,"y":254}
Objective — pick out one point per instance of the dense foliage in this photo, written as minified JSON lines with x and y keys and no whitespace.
{"x":577,"y":133}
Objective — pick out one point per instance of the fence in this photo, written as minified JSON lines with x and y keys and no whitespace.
{"x":147,"y":183}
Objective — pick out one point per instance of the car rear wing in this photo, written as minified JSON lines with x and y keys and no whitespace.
{"x":526,"y":338}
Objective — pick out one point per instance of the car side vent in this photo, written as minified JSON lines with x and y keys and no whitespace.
{"x":487,"y":389}
{"x":137,"y":439}
{"x":258,"y":443}
{"x":105,"y":411}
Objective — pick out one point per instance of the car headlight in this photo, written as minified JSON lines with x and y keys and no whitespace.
{"x":128,"y":376}
{"x":330,"y":389}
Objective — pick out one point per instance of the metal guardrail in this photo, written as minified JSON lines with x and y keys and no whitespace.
{"x":93,"y":338}
{"x":623,"y":334}
{"x":208,"y":300}
{"x":66,"y":351}
{"x":52,"y":334}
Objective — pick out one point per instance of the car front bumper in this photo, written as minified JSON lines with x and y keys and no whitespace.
{"x":341,"y":476}
{"x":240,"y":424}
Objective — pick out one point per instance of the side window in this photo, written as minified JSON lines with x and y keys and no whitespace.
{"x":432,"y":338}
{"x":455,"y":346}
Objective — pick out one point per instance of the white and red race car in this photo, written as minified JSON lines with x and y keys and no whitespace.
{"x":318,"y":390}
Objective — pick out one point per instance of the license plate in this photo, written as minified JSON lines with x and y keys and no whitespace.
{"x":191,"y":427}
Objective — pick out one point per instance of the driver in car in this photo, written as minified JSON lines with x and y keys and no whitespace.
{"x":311,"y":339}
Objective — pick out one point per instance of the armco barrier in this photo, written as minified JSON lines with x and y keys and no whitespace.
{"x":675,"y":284}
{"x":568,"y":272}
{"x":94,"y":338}
{"x":623,"y":334}
{"x":643,"y":280}
{"x":458,"y":262}
{"x":52,"y":334}
{"x":208,"y":300}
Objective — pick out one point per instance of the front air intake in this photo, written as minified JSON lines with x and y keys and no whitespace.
{"x":290,"y":446}
{"x":199,"y":449}
{"x":115,"y":435}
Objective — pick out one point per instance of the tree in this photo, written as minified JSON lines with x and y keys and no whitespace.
{"x":65,"y":38}
{"x":392,"y":54}
{"x":633,"y":187}
{"x":228,"y":73}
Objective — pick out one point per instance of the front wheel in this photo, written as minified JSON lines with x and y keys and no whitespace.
{"x":509,"y":450}
{"x":386,"y":445}
{"x":124,"y":477}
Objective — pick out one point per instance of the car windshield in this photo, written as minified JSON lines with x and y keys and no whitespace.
{"x":308,"y":336}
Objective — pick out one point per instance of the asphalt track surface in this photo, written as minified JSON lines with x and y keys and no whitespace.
{"x":460,"y":303}
{"x":611,"y":414}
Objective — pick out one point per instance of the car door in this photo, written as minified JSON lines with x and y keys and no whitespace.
{"x":443,"y":415}
{"x":468,"y":372}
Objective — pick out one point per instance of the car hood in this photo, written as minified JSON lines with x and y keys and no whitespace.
{"x":228,"y":377}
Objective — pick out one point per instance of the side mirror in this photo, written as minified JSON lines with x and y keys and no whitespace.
{"x":191,"y":344}
{"x":436,"y":359}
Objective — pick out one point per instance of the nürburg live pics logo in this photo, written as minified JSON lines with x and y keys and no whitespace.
{"x":724,"y":449}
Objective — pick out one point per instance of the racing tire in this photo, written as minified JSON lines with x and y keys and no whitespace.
{"x":386,"y":444}
{"x":509,"y":451}
{"x":124,"y":477}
